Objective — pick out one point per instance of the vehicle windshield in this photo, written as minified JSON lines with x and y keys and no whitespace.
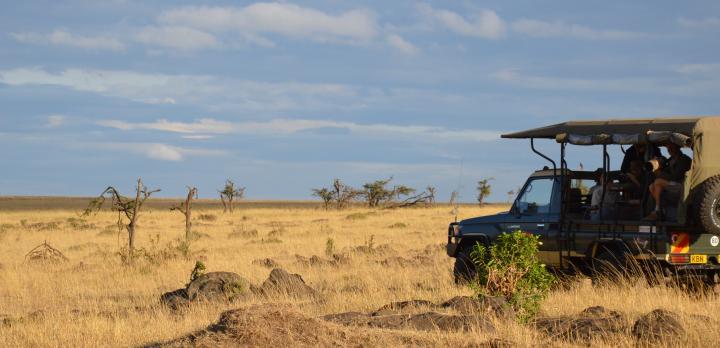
{"x":536,"y":197}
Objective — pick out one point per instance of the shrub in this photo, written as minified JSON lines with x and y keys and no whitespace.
{"x":330,"y":247}
{"x":510,"y":269}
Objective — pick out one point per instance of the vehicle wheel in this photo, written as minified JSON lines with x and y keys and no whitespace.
{"x":609,"y":266}
{"x":707,"y":205}
{"x":464,"y":269}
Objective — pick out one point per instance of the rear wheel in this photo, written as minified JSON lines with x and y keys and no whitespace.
{"x":610,"y":265}
{"x":464,"y":269}
{"x":707,"y":205}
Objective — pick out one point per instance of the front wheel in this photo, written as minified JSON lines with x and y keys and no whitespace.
{"x":464,"y":269}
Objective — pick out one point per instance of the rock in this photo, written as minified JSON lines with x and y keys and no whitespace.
{"x":215,"y":286}
{"x":175,"y":300}
{"x":592,"y":323}
{"x":345,"y":318}
{"x":495,"y":306}
{"x":266,"y":262}
{"x":658,"y":327}
{"x":282,"y":283}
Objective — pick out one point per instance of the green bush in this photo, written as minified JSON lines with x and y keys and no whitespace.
{"x":510,"y":269}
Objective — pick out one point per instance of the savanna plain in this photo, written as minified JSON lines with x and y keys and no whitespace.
{"x":356,"y":259}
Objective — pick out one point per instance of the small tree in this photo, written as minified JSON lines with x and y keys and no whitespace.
{"x":186,"y":209}
{"x":377,"y":194}
{"x":343,"y":194}
{"x":511,"y":195}
{"x":454,"y":203}
{"x":510,"y":269}
{"x":228,"y":195}
{"x":127,"y":207}
{"x":325,"y":194}
{"x":483,"y":190}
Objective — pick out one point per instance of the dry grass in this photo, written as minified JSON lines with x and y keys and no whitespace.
{"x":92,"y":300}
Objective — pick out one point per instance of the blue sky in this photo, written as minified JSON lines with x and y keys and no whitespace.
{"x":284,"y":96}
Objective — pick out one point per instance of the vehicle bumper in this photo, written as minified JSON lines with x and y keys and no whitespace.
{"x":451,"y":249}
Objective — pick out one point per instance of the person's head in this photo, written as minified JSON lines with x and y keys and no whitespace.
{"x":599,"y":175}
{"x":636,"y":168}
{"x":640,"y":148}
{"x":673,"y":149}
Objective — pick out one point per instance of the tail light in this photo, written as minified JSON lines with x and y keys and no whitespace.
{"x":679,"y":258}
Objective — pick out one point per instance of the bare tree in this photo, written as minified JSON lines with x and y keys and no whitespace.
{"x":228,"y":195}
{"x":484,"y":190}
{"x":186,"y":209}
{"x":431,"y":191}
{"x":511,"y":195}
{"x":127,"y":207}
{"x":343,"y":194}
{"x":454,"y":203}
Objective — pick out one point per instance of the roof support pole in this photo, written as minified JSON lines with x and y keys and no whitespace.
{"x":532,"y":147}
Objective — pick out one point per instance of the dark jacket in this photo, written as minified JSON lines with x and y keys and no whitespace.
{"x":631,"y":154}
{"x":675,"y":168}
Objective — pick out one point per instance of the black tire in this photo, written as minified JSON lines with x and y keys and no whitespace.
{"x":464,"y":269}
{"x":707,"y":205}
{"x":610,"y":265}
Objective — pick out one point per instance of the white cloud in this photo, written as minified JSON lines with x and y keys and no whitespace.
{"x":402,"y":45}
{"x":216,"y":92}
{"x":159,"y":151}
{"x":177,"y":37}
{"x":64,"y":38}
{"x":484,"y":24}
{"x":294,"y":126}
{"x":284,"y":19}
{"x":55,"y":121}
{"x":560,"y":29}
{"x":708,"y":22}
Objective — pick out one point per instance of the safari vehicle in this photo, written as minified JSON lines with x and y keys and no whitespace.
{"x":554,"y":204}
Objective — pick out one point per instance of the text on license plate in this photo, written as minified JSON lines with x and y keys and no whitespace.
{"x":698,"y":258}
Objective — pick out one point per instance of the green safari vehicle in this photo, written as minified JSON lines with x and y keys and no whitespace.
{"x":555,"y":203}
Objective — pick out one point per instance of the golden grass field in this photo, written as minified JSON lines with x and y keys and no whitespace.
{"x":94,"y":300}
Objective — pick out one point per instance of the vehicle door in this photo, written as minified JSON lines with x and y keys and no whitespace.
{"x":536,"y":211}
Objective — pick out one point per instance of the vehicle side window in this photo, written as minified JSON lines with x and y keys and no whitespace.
{"x":536,"y":197}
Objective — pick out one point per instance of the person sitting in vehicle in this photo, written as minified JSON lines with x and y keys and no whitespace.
{"x":632,"y":181}
{"x":637,"y":153}
{"x":602,"y":202}
{"x":668,"y":173}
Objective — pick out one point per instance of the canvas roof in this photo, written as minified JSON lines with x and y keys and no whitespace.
{"x":683,"y":125}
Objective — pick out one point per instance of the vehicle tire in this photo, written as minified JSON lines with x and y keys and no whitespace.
{"x":609,"y":265}
{"x":707,"y":205}
{"x":464,"y":269}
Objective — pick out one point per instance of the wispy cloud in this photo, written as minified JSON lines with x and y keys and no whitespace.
{"x":64,"y":38}
{"x":708,"y":68}
{"x":537,"y":28}
{"x":400,"y":44}
{"x":296,"y":126}
{"x":285,"y":19}
{"x":217,"y":92}
{"x":177,"y":37}
{"x":159,"y":151}
{"x":55,"y":121}
{"x":483,"y":24}
{"x":707,"y":22}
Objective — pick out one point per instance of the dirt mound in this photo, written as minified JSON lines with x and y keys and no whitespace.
{"x":266,"y":262}
{"x":590,"y":324}
{"x":414,"y":314}
{"x":280,"y":326}
{"x":213,"y":286}
{"x":282,"y":283}
{"x":658,"y":326}
{"x":427,"y":321}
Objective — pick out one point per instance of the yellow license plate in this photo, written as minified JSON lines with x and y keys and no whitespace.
{"x":698,"y":259}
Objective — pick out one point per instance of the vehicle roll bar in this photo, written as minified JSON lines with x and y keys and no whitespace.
{"x":532,"y":147}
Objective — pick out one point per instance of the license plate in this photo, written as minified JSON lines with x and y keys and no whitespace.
{"x":698,"y":259}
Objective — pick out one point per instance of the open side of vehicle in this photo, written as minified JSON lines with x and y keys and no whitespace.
{"x":554,"y":203}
